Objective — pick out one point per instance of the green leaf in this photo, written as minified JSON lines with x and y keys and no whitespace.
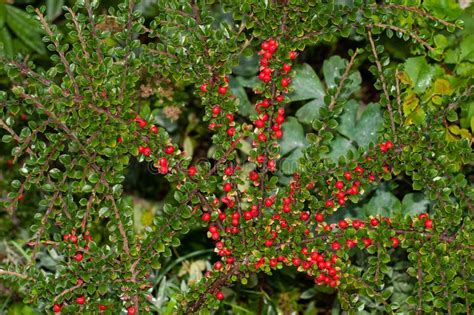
{"x":467,"y":49}
{"x":53,"y":9}
{"x":339,"y":146}
{"x":384,"y":203}
{"x":245,"y":107}
{"x":293,"y":136}
{"x":414,"y":203}
{"x":419,"y":72}
{"x":27,"y":29}
{"x":333,"y":68}
{"x":363,"y":130}
{"x":3,"y":14}
{"x":6,"y":42}
{"x":306,"y":84}
{"x":310,"y":111}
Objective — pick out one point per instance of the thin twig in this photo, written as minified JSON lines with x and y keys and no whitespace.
{"x":384,"y":84}
{"x":341,"y":83}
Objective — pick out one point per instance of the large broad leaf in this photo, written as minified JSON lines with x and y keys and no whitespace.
{"x":27,"y":29}
{"x":384,"y":203}
{"x":292,"y":144}
{"x":363,"y":130}
{"x":248,"y":66}
{"x":333,"y":68}
{"x":420,"y":73}
{"x":443,"y":8}
{"x":245,"y":107}
{"x":467,"y":49}
{"x":3,"y":14}
{"x":340,"y":146}
{"x":310,"y":111}
{"x":306,"y":84}
{"x":293,"y":136}
{"x":6,"y":42}
{"x":54,"y":9}
{"x":414,"y":203}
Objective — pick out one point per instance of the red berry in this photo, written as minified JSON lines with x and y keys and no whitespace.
{"x":57,"y":308}
{"x":286,"y":67}
{"x":395,"y":242}
{"x":422,"y":216}
{"x":268,"y":243}
{"x":216,"y":110}
{"x":329,"y":204}
{"x":218,"y":265}
{"x":231,"y":131}
{"x":347,"y":175}
{"x":145,"y":151}
{"x":356,"y":224}
{"x":206,"y":217}
{"x":339,"y":184}
{"x":374,"y":222}
{"x":259,"y":123}
{"x":292,"y":55}
{"x":220,"y":296}
{"x":278,"y":133}
{"x":335,"y":245}
{"x":265,"y":45}
{"x":285,"y":82}
{"x":192,"y":170}
{"x":319,"y":217}
{"x":229,"y":171}
{"x":268,"y":202}
{"x":253,"y":176}
{"x":169,"y":149}
{"x":73,"y":239}
{"x":429,"y":224}
{"x":227,"y":187}
{"x":389,"y":144}
{"x":343,"y":224}
{"x":80,"y":300}
{"x":280,"y":98}
{"x":102,"y":307}
{"x":371,"y":178}
{"x":119,"y":139}
{"x":203,"y":87}
{"x":142,"y":123}
{"x":222,"y":90}
{"x":154,"y":129}
{"x":131,"y":310}
{"x":262,"y":137}
{"x":78,"y":257}
{"x":359,"y":170}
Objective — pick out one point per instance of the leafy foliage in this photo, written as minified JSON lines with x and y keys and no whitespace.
{"x":369,"y":198}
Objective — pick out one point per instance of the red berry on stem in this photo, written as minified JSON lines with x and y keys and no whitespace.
{"x":231,"y":131}
{"x":102,"y":307}
{"x":292,"y":55}
{"x":203,"y":87}
{"x":192,"y":170}
{"x":429,"y":224}
{"x":220,"y":296}
{"x":374,"y":222}
{"x":227,"y":187}
{"x":57,"y":308}
{"x":80,"y":300}
{"x":206,"y":217}
{"x":222,"y":90}
{"x":131,"y":310}
{"x":78,"y":257}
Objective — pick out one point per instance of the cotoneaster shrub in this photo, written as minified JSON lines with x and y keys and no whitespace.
{"x":85,"y":126}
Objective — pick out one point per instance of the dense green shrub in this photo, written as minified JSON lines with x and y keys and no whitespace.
{"x":288,"y":151}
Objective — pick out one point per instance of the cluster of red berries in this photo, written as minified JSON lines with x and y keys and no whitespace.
{"x":72,"y":238}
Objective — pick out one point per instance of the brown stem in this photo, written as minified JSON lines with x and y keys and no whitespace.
{"x":341,"y":83}
{"x":382,"y":80}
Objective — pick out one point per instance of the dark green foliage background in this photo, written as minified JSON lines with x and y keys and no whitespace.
{"x":285,"y":291}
